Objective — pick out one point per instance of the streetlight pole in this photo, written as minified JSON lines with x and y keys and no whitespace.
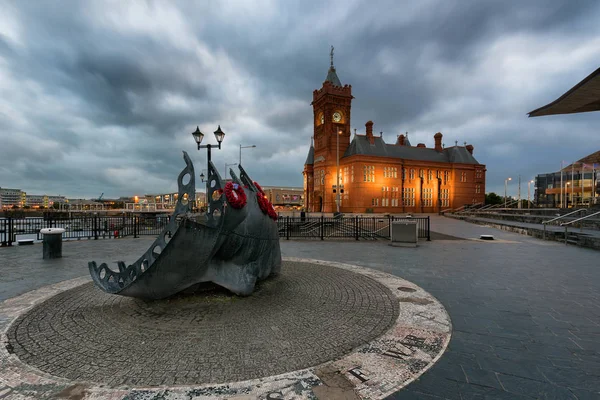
{"x":505,"y":188}
{"x":244,"y":147}
{"x":198,"y":136}
{"x":519,"y":195}
{"x":528,"y":191}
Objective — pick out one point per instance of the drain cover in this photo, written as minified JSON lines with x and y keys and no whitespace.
{"x":486,"y":237}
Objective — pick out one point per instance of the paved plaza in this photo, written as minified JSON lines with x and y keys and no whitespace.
{"x":525,"y":313}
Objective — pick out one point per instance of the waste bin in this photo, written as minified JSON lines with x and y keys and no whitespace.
{"x":302,"y":216}
{"x":52,"y":241}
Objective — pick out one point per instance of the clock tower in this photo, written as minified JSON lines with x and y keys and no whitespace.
{"x":331,"y":113}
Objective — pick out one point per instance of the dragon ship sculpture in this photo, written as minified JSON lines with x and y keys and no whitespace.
{"x":234,"y":245}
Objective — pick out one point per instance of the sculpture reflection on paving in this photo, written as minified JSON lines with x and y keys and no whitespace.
{"x":233,"y":245}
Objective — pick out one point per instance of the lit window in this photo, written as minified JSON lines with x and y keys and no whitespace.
{"x":368,"y":173}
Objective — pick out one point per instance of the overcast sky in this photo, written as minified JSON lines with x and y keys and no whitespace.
{"x":101,"y":96}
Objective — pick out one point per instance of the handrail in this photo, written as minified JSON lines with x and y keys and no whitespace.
{"x":472,"y":207}
{"x":562,"y":216}
{"x":580,"y":219}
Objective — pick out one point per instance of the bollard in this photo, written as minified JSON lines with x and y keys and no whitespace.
{"x":52,"y":242}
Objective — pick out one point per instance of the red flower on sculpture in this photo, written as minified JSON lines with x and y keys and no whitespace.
{"x":264,"y":203}
{"x":235,"y":195}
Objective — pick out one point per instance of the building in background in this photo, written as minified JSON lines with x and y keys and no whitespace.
{"x":12,"y":197}
{"x":375,"y":176}
{"x":577,"y":185}
{"x":285,"y":197}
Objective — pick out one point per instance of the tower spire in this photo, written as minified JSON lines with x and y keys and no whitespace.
{"x":331,"y":55}
{"x":331,"y":74}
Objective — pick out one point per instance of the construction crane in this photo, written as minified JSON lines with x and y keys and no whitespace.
{"x":100,"y":197}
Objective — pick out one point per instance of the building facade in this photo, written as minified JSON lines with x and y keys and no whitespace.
{"x":375,"y":176}
{"x":577,"y":184}
{"x":285,"y":197}
{"x":12,"y":197}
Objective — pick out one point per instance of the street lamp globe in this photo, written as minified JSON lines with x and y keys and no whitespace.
{"x":202,"y":176}
{"x":198,"y":136}
{"x":219,"y":134}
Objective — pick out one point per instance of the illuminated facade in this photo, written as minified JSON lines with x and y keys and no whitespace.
{"x":378,"y":177}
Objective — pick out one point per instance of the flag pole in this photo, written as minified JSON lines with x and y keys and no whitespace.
{"x":561,"y":184}
{"x":572,"y":182}
{"x":582,"y":180}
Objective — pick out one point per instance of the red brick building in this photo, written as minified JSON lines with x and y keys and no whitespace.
{"x":377,"y":176}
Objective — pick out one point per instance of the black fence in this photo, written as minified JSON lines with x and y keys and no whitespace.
{"x":106,"y":227}
{"x":81,"y":227}
{"x":350,"y":227}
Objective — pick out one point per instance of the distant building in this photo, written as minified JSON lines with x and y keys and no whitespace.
{"x":12,"y":197}
{"x":36,"y":200}
{"x":42,"y":200}
{"x":377,"y":176}
{"x":580,"y":184}
{"x":285,"y":196}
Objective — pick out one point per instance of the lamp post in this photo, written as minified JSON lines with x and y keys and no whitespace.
{"x":567,"y":195}
{"x":227,"y":165}
{"x":245,"y":147}
{"x":528,"y":193}
{"x":198,"y":136}
{"x":505,"y":188}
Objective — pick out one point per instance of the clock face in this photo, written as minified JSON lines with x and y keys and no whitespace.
{"x":322,"y":119}
{"x":337,"y":117}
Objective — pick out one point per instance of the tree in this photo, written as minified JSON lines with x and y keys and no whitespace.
{"x":493,"y":198}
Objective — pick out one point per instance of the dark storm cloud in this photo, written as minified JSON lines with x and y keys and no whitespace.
{"x":102,"y":96}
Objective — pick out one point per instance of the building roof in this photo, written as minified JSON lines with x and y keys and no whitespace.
{"x":332,"y":77}
{"x":310,"y":159}
{"x":361,"y":145}
{"x":583,"y":97}
{"x":588,"y":160}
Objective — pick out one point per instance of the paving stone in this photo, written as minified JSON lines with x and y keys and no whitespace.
{"x":482,"y":377}
{"x":536,"y":389}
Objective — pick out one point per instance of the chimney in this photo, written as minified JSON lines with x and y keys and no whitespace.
{"x":421,"y":145}
{"x":369,"y":127}
{"x":400,"y":141}
{"x":470,"y":148}
{"x":438,"y":142}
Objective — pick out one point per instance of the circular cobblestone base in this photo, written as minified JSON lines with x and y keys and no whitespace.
{"x":308,"y":315}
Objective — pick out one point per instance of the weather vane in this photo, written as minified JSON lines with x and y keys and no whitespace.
{"x":331,"y":55}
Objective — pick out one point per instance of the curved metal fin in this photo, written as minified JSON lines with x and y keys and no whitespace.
{"x":234,"y":178}
{"x":113,"y":281}
{"x":216,"y":203}
{"x":247,"y":180}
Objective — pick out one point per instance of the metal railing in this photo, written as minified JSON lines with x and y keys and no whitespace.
{"x":566,"y":224}
{"x":82,"y":226}
{"x":544,"y":223}
{"x":107,"y":227}
{"x":351,"y":227}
